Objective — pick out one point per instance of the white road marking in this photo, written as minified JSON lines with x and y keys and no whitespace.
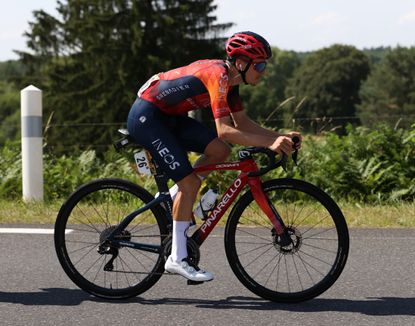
{"x":30,"y":231}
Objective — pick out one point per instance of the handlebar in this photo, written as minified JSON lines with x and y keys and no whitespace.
{"x":272,"y":163}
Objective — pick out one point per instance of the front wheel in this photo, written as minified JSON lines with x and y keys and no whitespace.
{"x":306,"y":267}
{"x":84,"y":222}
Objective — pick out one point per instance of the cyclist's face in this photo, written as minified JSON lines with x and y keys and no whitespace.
{"x":255,"y":71}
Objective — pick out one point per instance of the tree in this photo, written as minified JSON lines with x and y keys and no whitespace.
{"x":388,"y":95}
{"x":261,"y":101}
{"x":9,"y":112}
{"x":329,"y":79}
{"x":91,"y":60}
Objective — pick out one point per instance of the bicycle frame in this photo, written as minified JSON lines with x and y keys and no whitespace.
{"x":232,"y":193}
{"x":246,"y":167}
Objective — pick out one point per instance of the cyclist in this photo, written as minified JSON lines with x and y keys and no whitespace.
{"x":158,"y":121}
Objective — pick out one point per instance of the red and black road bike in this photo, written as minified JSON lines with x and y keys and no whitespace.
{"x":286,"y":240}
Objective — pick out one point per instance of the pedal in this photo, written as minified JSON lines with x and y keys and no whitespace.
{"x":190,"y":282}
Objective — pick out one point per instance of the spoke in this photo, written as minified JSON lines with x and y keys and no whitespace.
{"x":320,"y":248}
{"x":79,"y":249}
{"x":252,"y":234}
{"x":246,"y":252}
{"x":90,"y":225}
{"x":249,"y":242}
{"x":99,"y":269}
{"x":265,"y":226}
{"x":311,"y":256}
{"x":305,"y":267}
{"x":298,"y":274}
{"x":106,"y":213}
{"x":316,"y":224}
{"x":122,"y":261}
{"x":262,"y":269}
{"x":85,"y":242}
{"x":307,"y":216}
{"x":140,"y":222}
{"x":286,"y":272}
{"x":141,"y":230}
{"x":316,"y":258}
{"x":278,"y":271}
{"x":141,"y":253}
{"x":258,"y":257}
{"x":295,"y":217}
{"x":272,"y":271}
{"x":294,"y":210}
{"x":99,"y":257}
{"x":84,"y":255}
{"x":325,"y":239}
{"x":99,"y":215}
{"x":318,"y":233}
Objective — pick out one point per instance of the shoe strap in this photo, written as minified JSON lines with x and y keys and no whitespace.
{"x":187,"y":260}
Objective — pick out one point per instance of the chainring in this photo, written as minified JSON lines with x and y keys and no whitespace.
{"x":193,"y":251}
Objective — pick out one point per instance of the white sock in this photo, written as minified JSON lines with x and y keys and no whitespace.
{"x":179,"y":241}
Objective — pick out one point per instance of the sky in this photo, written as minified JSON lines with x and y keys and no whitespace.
{"x":299,"y":25}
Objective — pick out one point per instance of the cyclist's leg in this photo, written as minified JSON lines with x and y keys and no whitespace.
{"x":149,"y":127}
{"x":157,"y":132}
{"x":216,"y":152}
{"x":197,"y":137}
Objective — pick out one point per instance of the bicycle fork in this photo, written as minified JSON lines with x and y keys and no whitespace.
{"x":269,"y":210}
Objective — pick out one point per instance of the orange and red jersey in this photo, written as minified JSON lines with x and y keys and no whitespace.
{"x":202,"y":84}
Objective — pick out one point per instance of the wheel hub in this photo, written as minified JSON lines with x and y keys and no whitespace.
{"x":296,"y":241}
{"x":105,"y":247}
{"x":124,"y":235}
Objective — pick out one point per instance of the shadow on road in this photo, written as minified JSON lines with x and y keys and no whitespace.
{"x":384,"y":306}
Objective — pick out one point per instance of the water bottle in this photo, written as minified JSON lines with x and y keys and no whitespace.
{"x":206,"y":204}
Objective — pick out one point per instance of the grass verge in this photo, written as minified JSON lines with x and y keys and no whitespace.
{"x":399,"y":215}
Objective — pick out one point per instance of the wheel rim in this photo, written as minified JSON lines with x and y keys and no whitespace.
{"x":90,"y":220}
{"x":295,"y":270}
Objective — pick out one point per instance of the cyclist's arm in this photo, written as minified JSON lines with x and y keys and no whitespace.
{"x":244,"y":123}
{"x":228,"y":132}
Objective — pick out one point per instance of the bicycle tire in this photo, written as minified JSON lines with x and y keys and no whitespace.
{"x":87,"y":216}
{"x":299,"y":272}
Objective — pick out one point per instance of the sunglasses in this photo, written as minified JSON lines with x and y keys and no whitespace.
{"x":260,"y":66}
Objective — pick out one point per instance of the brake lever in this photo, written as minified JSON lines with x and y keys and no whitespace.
{"x":294,"y":155}
{"x":284,"y":162}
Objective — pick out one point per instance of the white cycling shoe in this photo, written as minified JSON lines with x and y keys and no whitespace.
{"x":187,"y":270}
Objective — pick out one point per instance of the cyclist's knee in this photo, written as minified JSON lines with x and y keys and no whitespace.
{"x":218,"y":149}
{"x":189,"y":184}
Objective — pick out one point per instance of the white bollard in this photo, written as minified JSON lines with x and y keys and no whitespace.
{"x":32,"y":144}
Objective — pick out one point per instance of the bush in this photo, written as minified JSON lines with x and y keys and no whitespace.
{"x":365,"y":165}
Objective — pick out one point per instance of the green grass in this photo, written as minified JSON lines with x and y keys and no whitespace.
{"x":400,"y":215}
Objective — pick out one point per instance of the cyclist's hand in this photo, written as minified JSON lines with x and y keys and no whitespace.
{"x":282,"y":145}
{"x":293,"y":134}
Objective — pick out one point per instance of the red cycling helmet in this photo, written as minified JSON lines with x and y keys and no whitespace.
{"x":248,"y":44}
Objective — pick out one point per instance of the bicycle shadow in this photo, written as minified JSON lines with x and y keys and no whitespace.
{"x":384,"y":306}
{"x":372,"y":306}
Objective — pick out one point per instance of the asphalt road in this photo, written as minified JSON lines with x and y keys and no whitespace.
{"x":377,"y":287}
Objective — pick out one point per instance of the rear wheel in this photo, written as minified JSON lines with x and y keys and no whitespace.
{"x":84,"y":222}
{"x":306,"y":267}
